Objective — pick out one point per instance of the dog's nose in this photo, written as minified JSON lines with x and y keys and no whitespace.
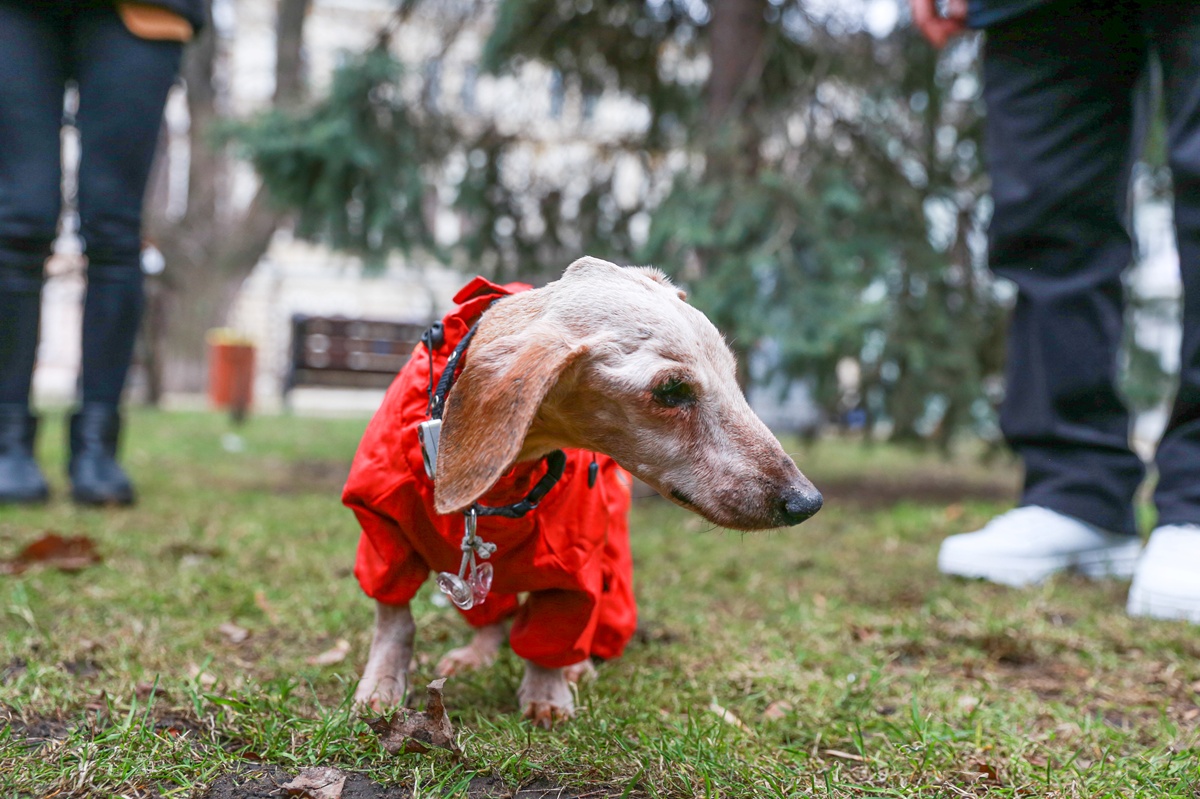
{"x":798,"y":504}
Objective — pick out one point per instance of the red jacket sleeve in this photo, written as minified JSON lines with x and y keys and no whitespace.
{"x":387,"y":568}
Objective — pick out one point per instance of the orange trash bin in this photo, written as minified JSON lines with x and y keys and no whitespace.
{"x":230,"y":370}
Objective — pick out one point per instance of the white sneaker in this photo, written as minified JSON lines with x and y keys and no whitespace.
{"x":1166,"y":584}
{"x":1030,"y":543}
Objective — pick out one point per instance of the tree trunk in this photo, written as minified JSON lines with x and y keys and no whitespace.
{"x":737,"y":38}
{"x":737,"y":48}
{"x":289,"y":46}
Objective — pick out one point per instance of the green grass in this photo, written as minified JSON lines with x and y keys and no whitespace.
{"x":853,"y":668}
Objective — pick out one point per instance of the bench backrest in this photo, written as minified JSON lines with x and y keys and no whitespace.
{"x":345,"y":352}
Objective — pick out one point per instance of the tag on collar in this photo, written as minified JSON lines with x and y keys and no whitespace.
{"x":428,"y":433}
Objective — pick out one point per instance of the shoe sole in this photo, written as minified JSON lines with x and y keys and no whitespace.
{"x":39,"y":496}
{"x":102,"y":501}
{"x":39,"y":499}
{"x":1156,"y":605}
{"x":1118,"y":561}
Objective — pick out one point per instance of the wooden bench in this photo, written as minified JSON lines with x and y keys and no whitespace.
{"x":340,"y":352}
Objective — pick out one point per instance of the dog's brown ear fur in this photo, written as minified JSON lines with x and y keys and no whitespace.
{"x":489,"y":411}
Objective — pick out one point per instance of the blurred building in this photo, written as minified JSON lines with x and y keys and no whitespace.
{"x":293,"y":277}
{"x":1155,"y":284}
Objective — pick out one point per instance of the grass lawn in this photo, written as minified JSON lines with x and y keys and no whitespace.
{"x":826,"y":660}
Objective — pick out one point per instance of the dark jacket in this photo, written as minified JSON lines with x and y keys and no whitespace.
{"x":983,"y":13}
{"x":197,"y":12}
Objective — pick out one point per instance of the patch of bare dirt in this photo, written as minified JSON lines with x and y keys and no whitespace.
{"x":11,"y":670}
{"x":876,"y":492}
{"x":314,"y":477}
{"x":82,"y":668}
{"x":35,"y":731}
{"x":267,"y":782}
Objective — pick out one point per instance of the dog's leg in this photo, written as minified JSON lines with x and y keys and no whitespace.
{"x":385,"y":678}
{"x":545,"y":695}
{"x":480,"y":652}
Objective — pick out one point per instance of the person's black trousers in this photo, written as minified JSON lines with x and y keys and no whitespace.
{"x":123,"y":83}
{"x":1066,"y":92}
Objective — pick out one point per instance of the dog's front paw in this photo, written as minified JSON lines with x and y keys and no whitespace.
{"x":545,"y":696}
{"x":380,"y":694}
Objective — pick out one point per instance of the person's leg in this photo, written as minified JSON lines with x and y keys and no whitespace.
{"x":1166,"y":582}
{"x":1177,"y":494}
{"x":1060,"y":90}
{"x":123,"y":85}
{"x":1062,"y":85}
{"x":32,"y":78}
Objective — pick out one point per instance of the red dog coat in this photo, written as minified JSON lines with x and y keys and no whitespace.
{"x":571,"y":553}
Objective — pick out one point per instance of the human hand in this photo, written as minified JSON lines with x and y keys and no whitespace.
{"x":936,"y":27}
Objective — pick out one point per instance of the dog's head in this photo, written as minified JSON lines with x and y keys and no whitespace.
{"x":612,"y":359}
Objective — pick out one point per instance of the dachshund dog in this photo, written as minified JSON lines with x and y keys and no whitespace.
{"x":605,"y":370}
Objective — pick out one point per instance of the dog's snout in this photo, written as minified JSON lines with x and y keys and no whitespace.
{"x":798,"y":504}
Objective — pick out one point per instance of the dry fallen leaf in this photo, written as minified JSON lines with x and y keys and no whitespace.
{"x":233,"y":633}
{"x":260,"y":599}
{"x":330,"y":656}
{"x":777,"y":710}
{"x":729,"y":717}
{"x":320,"y":782}
{"x":987,"y":772}
{"x":202,"y":677}
{"x":98,"y":703}
{"x":864,"y":634}
{"x":416,"y":731}
{"x":65,"y":553}
{"x":145,"y":690}
{"x":845,"y":755}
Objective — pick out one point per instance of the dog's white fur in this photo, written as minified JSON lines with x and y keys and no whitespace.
{"x":577,"y":364}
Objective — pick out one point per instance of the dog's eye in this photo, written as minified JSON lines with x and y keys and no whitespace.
{"x":674,"y":393}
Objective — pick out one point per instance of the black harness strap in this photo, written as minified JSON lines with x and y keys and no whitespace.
{"x":437,"y":401}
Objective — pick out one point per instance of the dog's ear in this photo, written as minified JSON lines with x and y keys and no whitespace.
{"x":490,"y":409}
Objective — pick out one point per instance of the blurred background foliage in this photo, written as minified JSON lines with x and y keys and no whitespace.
{"x":817,"y":188}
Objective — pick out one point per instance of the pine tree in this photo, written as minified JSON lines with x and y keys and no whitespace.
{"x":814,"y":186}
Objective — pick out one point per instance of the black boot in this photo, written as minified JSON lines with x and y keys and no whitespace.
{"x":21,"y":480}
{"x":96,"y":478}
